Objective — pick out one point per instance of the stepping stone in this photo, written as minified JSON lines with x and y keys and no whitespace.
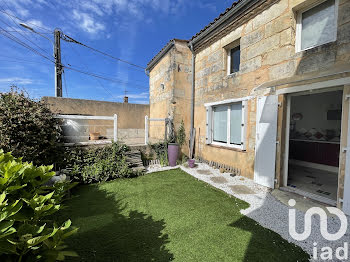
{"x":219,"y":180}
{"x":241,"y":190}
{"x":204,"y":172}
{"x":134,"y":161}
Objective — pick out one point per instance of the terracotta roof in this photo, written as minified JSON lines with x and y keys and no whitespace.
{"x":217,"y":18}
{"x":163,"y":51}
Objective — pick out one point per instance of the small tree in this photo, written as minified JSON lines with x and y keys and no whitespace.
{"x":28,"y":128}
{"x":180,"y":134}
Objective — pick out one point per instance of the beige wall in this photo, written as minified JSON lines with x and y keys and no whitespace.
{"x":174,"y":72}
{"x":267,"y":43}
{"x":131,"y":117}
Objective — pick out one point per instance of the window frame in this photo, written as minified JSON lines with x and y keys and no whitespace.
{"x":210,"y":137}
{"x":229,"y":60}
{"x":299,"y":25}
{"x":228,"y":49}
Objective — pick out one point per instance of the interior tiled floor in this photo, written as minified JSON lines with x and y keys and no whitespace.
{"x":314,"y":181}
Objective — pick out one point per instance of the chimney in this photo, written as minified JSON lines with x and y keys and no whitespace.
{"x":126,"y":99}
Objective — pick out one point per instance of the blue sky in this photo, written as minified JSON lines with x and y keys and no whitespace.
{"x":133,"y":30}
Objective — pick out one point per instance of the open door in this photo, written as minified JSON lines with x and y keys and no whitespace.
{"x":265,"y":148}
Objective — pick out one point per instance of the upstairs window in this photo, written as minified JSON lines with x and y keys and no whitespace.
{"x":317,"y":25}
{"x":233,"y":59}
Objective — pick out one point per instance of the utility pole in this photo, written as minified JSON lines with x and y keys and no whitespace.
{"x":58,"y":65}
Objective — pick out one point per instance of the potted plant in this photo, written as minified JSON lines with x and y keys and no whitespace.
{"x":176,"y":140}
{"x":191,"y":163}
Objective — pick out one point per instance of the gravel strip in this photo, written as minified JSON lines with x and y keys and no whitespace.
{"x":157,"y":168}
{"x":270,"y":212}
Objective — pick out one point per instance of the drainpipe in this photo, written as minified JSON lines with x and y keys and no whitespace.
{"x":192,"y":95}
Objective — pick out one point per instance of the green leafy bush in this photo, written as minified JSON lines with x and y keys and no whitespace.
{"x":26,"y":205}
{"x":28,"y":129}
{"x":176,"y":136}
{"x":99,"y":164}
{"x":161,"y":150}
{"x":181,"y":134}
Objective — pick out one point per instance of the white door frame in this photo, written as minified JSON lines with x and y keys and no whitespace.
{"x":298,"y":92}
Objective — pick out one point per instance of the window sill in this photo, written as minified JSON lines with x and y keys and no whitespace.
{"x":232,"y":75}
{"x":316,"y":49}
{"x":227,"y":148}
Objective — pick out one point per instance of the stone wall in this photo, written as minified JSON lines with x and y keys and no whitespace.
{"x":267,"y":43}
{"x":268,"y":57}
{"x":170,"y":90}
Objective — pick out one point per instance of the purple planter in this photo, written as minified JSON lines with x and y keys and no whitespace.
{"x":173,"y":153}
{"x":191,"y":163}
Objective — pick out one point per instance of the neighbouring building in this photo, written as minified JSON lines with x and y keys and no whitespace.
{"x":270,"y":94}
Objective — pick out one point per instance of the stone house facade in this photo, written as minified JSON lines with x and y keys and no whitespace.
{"x":248,"y":66}
{"x":169,"y":93}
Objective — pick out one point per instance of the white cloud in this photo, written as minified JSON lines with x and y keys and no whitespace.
{"x":37,"y":23}
{"x":16,"y":80}
{"x":89,"y":6}
{"x":22,"y":11}
{"x":19,"y":6}
{"x":89,"y":15}
{"x":135,"y":96}
{"x":87,"y":22}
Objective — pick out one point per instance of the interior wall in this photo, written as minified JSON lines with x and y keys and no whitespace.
{"x":314,"y":108}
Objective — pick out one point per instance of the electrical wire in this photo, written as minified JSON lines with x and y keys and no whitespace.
{"x":70,"y":39}
{"x":12,"y":19}
{"x":107,"y":78}
{"x":35,"y":25}
{"x":18,"y":41}
{"x":15,"y":39}
{"x":100,"y":76}
{"x":97,"y":80}
{"x":16,"y":31}
{"x":8,"y":35}
{"x":22,"y":36}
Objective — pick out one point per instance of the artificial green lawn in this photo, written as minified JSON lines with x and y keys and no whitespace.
{"x":168,"y":216}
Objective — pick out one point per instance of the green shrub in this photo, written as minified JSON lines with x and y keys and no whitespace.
{"x":28,"y":129}
{"x":163,"y":159}
{"x":99,"y":164}
{"x":26,"y":205}
{"x":183,"y":160}
{"x":161,"y":150}
{"x":181,"y":134}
